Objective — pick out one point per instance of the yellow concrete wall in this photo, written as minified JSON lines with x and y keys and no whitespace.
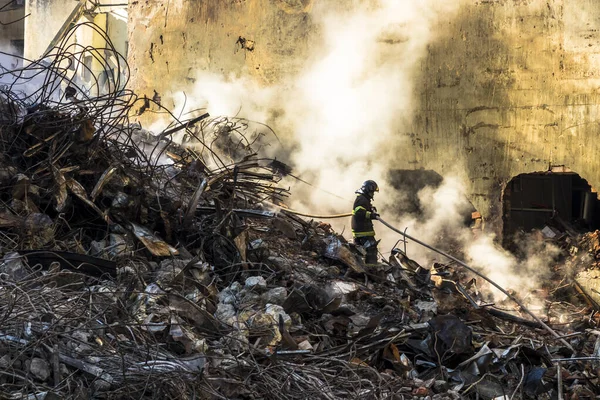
{"x":170,"y":41}
{"x":45,"y":19}
{"x":507,"y":86}
{"x":117,"y":30}
{"x":512,"y":87}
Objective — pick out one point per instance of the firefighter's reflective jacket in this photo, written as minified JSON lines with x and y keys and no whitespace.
{"x":362,"y":225}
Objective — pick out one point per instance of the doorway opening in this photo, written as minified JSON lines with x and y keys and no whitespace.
{"x":547,"y":200}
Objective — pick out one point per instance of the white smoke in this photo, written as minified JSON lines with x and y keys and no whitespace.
{"x":340,"y":115}
{"x":340,"y":120}
{"x":26,"y":82}
{"x":357,"y":92}
{"x":524,"y":276}
{"x":220,"y":96}
{"x":9,"y":61}
{"x":442,"y":224}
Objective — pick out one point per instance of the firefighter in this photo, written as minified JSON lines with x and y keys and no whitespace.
{"x":362,"y":215}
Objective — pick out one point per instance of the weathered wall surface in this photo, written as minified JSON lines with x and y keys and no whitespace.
{"x":170,"y":41}
{"x":117,"y":30}
{"x":11,"y":23}
{"x":45,"y":18}
{"x":508,"y":86}
{"x":512,"y":87}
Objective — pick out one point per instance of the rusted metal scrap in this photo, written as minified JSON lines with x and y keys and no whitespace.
{"x":336,"y":250}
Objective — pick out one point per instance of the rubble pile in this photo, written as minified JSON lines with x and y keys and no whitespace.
{"x":137,"y":266}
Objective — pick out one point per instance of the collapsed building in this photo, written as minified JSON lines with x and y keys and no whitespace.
{"x":139,"y":266}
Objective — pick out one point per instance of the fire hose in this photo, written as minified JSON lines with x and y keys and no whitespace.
{"x":456,"y":260}
{"x":287,"y":210}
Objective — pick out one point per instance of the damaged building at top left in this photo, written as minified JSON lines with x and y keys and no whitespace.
{"x":32,"y":28}
{"x":12,"y":26}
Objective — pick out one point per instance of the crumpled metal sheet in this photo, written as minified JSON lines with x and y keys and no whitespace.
{"x":534,"y":383}
{"x":104,"y":178}
{"x":453,"y":334}
{"x":307,"y":298}
{"x":154,"y":244}
{"x":336,"y":250}
{"x":60,"y":195}
{"x":479,"y":363}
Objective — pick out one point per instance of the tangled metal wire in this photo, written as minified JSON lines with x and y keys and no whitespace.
{"x":8,"y":7}
{"x":74,"y":320}
{"x":73,"y":136}
{"x":77,"y":179}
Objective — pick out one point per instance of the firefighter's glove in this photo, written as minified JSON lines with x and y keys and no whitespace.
{"x":374,"y":215}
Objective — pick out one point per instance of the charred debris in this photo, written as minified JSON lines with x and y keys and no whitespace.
{"x":135,"y":266}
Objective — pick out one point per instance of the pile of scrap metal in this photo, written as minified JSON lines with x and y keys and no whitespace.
{"x":137,"y":267}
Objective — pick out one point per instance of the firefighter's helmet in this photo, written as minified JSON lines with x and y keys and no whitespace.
{"x":369,"y":188}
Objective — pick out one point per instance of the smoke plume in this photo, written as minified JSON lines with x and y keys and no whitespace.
{"x":340,"y":120}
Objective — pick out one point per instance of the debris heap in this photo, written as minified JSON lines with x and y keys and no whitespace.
{"x":137,"y":266}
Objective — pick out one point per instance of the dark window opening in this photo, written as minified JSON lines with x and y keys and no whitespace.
{"x":563,"y":200}
{"x":409,"y":183}
{"x":19,"y":46}
{"x":87,"y":68}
